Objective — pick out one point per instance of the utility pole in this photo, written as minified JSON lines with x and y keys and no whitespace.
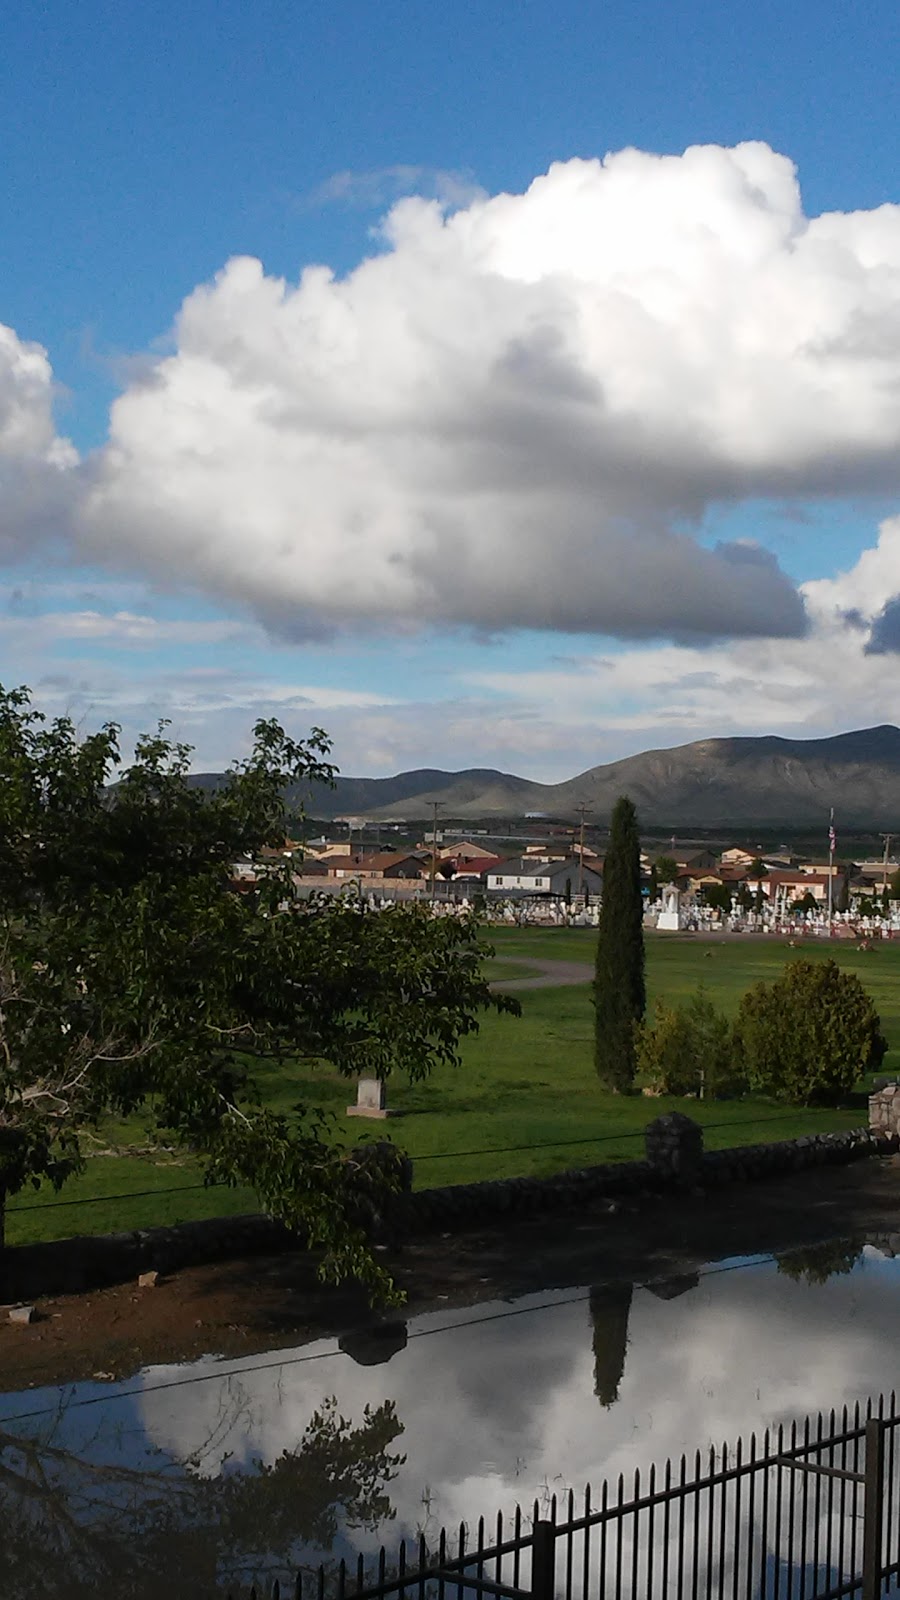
{"x":435,"y":808}
{"x":831,"y":844}
{"x":887,"y":837}
{"x":581,"y":811}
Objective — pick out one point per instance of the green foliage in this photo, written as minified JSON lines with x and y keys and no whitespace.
{"x":894,"y":885}
{"x":691,"y":1050}
{"x":758,"y":868}
{"x":745,"y":897}
{"x":718,"y":897}
{"x":133,"y":975}
{"x":666,"y":869}
{"x":808,"y":1036}
{"x":806,"y":902}
{"x":619,"y":991}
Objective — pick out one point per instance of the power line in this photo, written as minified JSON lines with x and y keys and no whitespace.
{"x":325,"y":1355}
{"x":600,"y":1138}
{"x":99,"y":1199}
{"x":438,"y":1155}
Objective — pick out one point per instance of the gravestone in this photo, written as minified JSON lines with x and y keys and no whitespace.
{"x":370,"y":1100}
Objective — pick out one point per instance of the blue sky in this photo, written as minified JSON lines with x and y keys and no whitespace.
{"x":228,"y":545}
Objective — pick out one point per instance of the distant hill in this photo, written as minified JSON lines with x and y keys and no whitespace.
{"x":712,"y":782}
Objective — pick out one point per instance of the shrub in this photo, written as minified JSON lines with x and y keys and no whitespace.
{"x":806,"y":902}
{"x":810,"y":1034}
{"x":691,"y":1049}
{"x":718,"y":897}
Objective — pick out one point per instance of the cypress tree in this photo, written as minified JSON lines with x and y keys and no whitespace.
{"x":620,"y":996}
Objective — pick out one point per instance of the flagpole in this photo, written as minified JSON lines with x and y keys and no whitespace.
{"x":831,"y":843}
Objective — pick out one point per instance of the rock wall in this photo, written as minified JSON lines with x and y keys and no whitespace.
{"x":459,"y":1204}
{"x":884,"y":1109}
{"x":75,"y":1264}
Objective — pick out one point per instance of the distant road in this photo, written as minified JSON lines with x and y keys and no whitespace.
{"x":548,"y":974}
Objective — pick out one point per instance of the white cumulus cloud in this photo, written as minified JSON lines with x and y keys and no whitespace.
{"x":517,"y":414}
{"x":36,"y":476}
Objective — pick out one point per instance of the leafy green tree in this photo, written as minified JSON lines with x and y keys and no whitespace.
{"x":620,"y":997}
{"x":806,"y":902}
{"x":666,"y":869}
{"x":757,"y":869}
{"x":691,"y":1050}
{"x":718,"y":897}
{"x":132,"y":974}
{"x":894,"y":885}
{"x":745,"y":897}
{"x":809,"y":1035}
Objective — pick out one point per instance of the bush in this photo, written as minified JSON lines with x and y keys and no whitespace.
{"x":806,"y":902}
{"x":807,"y":1037}
{"x":691,"y":1049}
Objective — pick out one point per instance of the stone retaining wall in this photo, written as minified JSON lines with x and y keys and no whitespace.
{"x":459,"y":1204}
{"x":72,"y":1265}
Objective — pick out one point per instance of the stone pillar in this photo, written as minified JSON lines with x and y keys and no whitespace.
{"x":884,"y":1109}
{"x":674,"y":1147}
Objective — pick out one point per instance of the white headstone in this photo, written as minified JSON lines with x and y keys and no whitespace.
{"x":370,"y":1098}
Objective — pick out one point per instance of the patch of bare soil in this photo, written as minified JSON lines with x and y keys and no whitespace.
{"x":273,"y":1302}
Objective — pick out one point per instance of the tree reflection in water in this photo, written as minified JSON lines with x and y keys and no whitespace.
{"x":819,"y":1262}
{"x":610,"y":1304}
{"x":72,"y":1527}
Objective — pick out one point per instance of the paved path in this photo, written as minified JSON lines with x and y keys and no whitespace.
{"x":548,"y":974}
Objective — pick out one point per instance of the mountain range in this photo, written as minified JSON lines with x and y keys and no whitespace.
{"x":710,"y":783}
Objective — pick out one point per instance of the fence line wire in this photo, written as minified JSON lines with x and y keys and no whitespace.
{"x":438,"y":1155}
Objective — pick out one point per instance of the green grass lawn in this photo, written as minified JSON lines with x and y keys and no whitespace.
{"x":524,"y":1100}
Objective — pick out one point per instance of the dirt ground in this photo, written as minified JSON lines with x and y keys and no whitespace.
{"x":273,"y":1302}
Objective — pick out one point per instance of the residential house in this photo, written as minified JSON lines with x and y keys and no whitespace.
{"x":737,"y":857}
{"x":372,"y":867}
{"x":466,"y":850}
{"x":786,"y":885}
{"x":552,"y":879}
{"x":693,"y":860}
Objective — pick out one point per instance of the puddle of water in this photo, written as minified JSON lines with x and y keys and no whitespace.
{"x":188,"y":1477}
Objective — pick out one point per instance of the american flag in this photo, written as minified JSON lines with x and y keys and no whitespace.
{"x":832,"y":838}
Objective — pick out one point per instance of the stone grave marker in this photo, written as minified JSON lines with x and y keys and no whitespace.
{"x":370,"y":1100}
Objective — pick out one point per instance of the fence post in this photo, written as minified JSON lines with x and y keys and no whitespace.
{"x":873,"y":1503}
{"x":543,"y":1561}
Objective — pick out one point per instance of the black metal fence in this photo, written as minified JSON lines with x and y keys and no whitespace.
{"x":811,"y":1512}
